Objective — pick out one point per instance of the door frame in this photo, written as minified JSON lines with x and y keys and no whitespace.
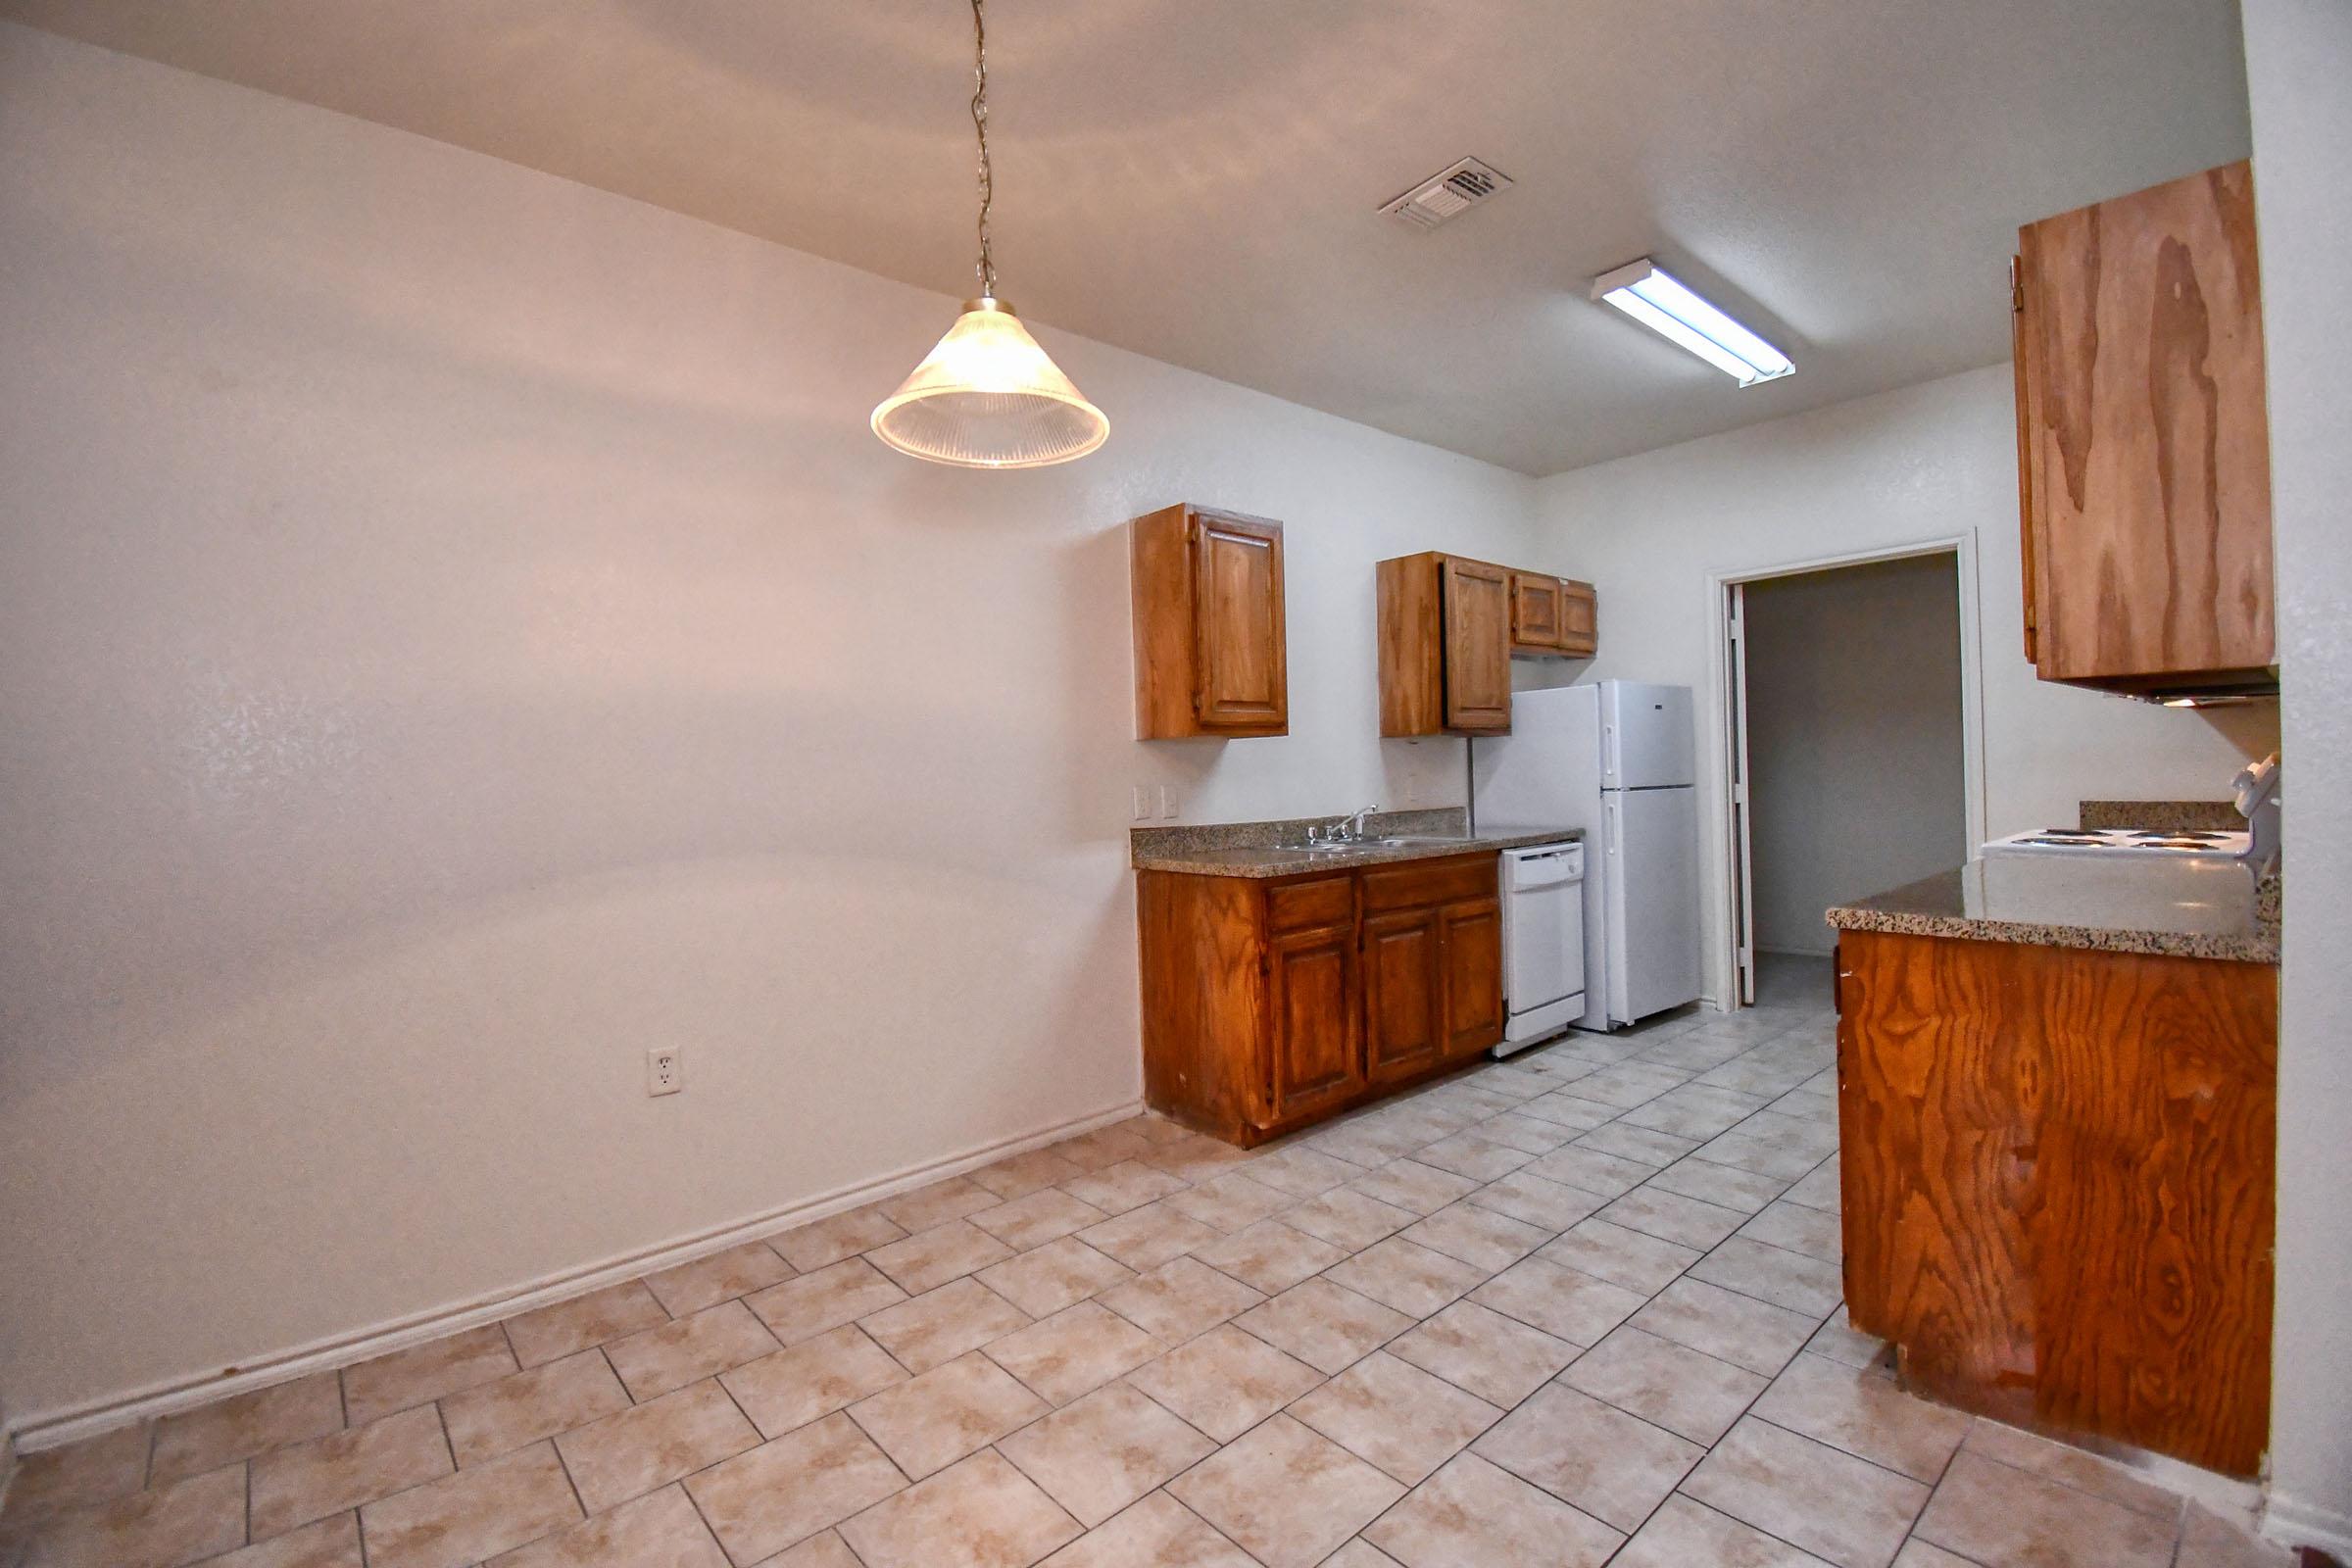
{"x":1730,"y":853}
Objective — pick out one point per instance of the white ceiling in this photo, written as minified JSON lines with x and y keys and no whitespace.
{"x":1195,"y":179}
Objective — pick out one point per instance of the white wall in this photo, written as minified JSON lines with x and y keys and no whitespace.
{"x":1856,"y":781}
{"x":1928,"y":462}
{"x":456,"y":631}
{"x":2298,"y":58}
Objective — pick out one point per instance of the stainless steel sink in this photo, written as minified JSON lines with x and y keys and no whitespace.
{"x":1345,"y":846}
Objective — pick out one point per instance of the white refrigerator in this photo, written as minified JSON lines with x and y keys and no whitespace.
{"x":1618,"y":760}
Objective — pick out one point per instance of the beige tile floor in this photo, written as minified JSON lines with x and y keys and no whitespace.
{"x":1578,"y":1308}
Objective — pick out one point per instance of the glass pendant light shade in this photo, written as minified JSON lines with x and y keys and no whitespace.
{"x":987,"y":397}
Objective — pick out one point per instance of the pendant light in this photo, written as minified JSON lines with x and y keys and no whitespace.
{"x":987,"y":396}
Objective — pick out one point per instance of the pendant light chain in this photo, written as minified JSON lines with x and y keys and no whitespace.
{"x":988,"y":188}
{"x":987,"y":396}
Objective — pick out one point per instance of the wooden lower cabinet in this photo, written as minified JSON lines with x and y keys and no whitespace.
{"x":2057,"y":1170}
{"x":1270,"y":1004}
{"x":1316,"y":1062}
{"x":1404,"y":995}
{"x":1470,"y":935}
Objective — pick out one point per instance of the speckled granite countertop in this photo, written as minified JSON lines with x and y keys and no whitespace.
{"x":1255,"y":849}
{"x":2183,"y":908}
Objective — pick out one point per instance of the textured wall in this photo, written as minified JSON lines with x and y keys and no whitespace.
{"x":457,"y":632}
{"x":1932,"y":460}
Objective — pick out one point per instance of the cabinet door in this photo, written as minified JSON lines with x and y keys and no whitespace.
{"x":1403,"y":986}
{"x":1477,"y":600}
{"x":1471,"y":942}
{"x":1311,"y":994}
{"x":1536,"y":620}
{"x":1241,"y":668}
{"x":2149,"y":483}
{"x":1579,"y":620}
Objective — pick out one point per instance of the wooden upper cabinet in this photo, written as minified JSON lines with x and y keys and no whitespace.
{"x":1449,"y":627}
{"x":1552,"y":616}
{"x":1476,"y":602}
{"x":1580,"y":619}
{"x":1536,"y":614}
{"x":2144,"y":449}
{"x":1211,"y":653}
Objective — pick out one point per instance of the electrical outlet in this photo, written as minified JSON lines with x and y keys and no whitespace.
{"x":664,"y":1072}
{"x":1141,"y":799}
{"x":1167,"y":802}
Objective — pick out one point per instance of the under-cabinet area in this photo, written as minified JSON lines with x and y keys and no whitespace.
{"x":1273,"y":1000}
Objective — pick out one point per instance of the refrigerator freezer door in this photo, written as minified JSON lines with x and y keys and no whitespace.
{"x":1546,"y":771}
{"x":1652,"y":890}
{"x":1646,"y":737}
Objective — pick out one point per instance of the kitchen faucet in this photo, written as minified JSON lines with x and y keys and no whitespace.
{"x":1349,"y":829}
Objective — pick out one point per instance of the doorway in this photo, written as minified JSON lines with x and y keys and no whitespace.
{"x":1849,"y":746}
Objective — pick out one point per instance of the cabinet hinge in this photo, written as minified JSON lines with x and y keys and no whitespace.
{"x":2017,"y":284}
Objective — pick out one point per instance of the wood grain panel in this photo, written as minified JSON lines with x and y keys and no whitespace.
{"x":1536,"y":615}
{"x":2057,"y":1170}
{"x":1402,"y":993}
{"x":1425,"y":883}
{"x":1476,"y":602}
{"x":1322,"y":900}
{"x":1313,"y":997}
{"x":1411,"y":650}
{"x":1934,"y":1134}
{"x":2148,"y":486}
{"x":1471,"y":942}
{"x":1203,"y":999}
{"x":1212,"y":644}
{"x":1241,"y":664}
{"x":1580,"y":619}
{"x":2027,"y":421}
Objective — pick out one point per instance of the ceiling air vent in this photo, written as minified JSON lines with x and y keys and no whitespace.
{"x":1447,"y":193}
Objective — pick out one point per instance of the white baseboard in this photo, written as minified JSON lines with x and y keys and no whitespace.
{"x":2293,"y":1523}
{"x":50,"y":1429}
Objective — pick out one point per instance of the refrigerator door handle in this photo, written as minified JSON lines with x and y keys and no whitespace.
{"x":1608,"y":757}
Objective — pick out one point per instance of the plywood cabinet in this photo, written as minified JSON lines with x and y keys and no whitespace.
{"x":2143,"y":444}
{"x":1211,"y":651}
{"x":2057,"y":1173}
{"x":1273,"y":1003}
{"x":1448,"y":629}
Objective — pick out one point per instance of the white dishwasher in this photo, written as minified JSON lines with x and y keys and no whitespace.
{"x":1543,"y":942}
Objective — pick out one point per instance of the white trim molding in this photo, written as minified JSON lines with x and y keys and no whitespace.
{"x":55,"y":1428}
{"x":1717,"y":770}
{"x":2293,"y":1523}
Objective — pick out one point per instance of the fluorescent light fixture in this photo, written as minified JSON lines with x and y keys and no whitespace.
{"x":1664,"y":304}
